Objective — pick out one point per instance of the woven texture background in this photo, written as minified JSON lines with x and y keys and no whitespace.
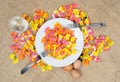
{"x":108,"y":70}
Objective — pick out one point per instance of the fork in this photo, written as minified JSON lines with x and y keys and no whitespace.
{"x":27,"y":67}
{"x":76,"y":25}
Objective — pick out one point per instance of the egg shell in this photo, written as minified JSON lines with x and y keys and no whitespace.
{"x":77,"y":64}
{"x":75,"y":73}
{"x":68,"y":68}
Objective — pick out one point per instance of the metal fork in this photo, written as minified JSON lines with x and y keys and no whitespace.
{"x":26,"y":68}
{"x":76,"y":25}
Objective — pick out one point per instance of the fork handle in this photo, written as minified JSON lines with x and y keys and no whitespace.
{"x":26,"y":68}
{"x":97,"y":25}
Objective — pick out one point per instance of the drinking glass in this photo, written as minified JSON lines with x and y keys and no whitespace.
{"x":18,"y":24}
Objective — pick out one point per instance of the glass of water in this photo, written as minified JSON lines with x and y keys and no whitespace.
{"x":18,"y":24}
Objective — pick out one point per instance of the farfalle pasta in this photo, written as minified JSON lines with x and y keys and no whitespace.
{"x":59,"y":41}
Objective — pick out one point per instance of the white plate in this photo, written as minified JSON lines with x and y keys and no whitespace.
{"x":50,"y":60}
